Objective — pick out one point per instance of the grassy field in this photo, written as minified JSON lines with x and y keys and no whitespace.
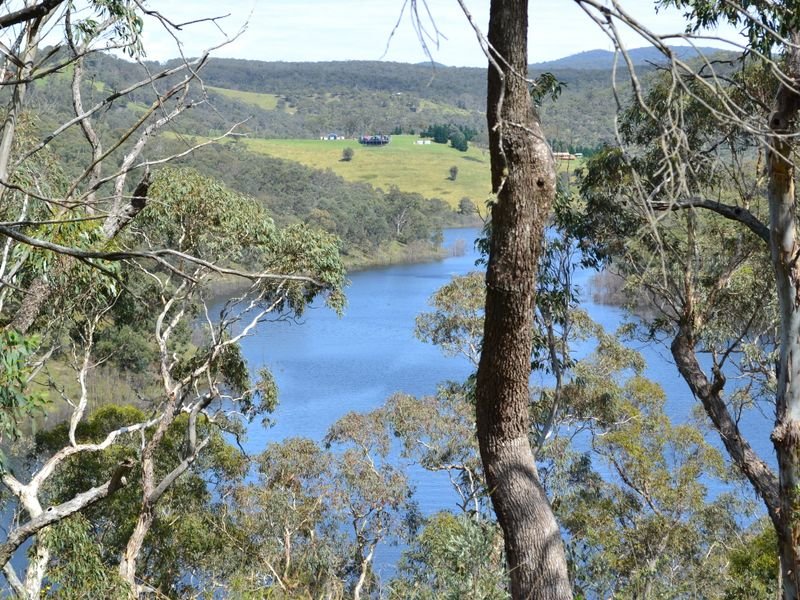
{"x":411,"y":167}
{"x":263,"y":101}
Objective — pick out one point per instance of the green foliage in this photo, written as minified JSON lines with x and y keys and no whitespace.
{"x":301,"y":250}
{"x":358,"y":214}
{"x":467,"y":207}
{"x":267,"y":390}
{"x":78,"y":571}
{"x":754,"y":565}
{"x":762,"y":21}
{"x":607,"y":217}
{"x":459,"y":142}
{"x":313,"y":517}
{"x":458,"y":136}
{"x":455,"y":557}
{"x":182,"y":539}
{"x":546,"y":85}
{"x":130,"y":348}
{"x":438,"y":434}
{"x":648,"y":524}
{"x":347,"y":154}
{"x":412,"y":217}
{"x":439,"y":133}
{"x":16,"y":400}
{"x":659,"y":252}
{"x":193,"y":213}
{"x":456,"y":324}
{"x":285,"y":521}
{"x":126,"y":29}
{"x":635,"y":503}
{"x":226,"y":364}
{"x":80,"y":288}
{"x":199,"y":215}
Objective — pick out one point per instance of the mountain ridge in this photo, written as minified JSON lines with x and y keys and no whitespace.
{"x":598,"y":59}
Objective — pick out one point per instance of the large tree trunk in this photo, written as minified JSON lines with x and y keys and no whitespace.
{"x":785,"y":252}
{"x":523,"y":177}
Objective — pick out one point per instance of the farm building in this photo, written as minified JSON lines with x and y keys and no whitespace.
{"x":374,"y":140}
{"x":564,"y":156}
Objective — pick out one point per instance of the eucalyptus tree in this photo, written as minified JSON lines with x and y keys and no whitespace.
{"x":371,"y":492}
{"x":203,"y":381}
{"x":770,"y":41}
{"x":522,"y":179}
{"x":285,"y":522}
{"x":630,"y":487}
{"x":693,"y":170}
{"x":641,"y":519}
{"x":52,"y":223}
{"x":181,"y":552}
{"x":524,"y":184}
{"x":80,"y":250}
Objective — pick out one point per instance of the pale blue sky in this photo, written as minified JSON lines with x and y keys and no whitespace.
{"x":316,"y":30}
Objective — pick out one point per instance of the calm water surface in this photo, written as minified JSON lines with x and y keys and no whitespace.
{"x":326,"y":366}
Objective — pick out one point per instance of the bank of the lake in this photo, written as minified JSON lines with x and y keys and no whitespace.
{"x":326,"y":366}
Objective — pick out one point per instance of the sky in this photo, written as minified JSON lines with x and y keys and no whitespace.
{"x":321,"y":30}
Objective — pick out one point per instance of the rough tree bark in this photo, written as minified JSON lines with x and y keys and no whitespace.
{"x":710,"y":395}
{"x":523,"y":179}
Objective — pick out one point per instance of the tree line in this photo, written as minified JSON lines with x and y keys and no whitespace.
{"x":351,"y":98}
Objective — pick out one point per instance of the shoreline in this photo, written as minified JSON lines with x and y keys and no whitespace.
{"x":228,"y":285}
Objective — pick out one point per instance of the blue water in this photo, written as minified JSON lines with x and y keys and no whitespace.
{"x":326,"y":366}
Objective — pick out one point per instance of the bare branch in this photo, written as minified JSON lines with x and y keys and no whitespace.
{"x":734,"y":213}
{"x":29,"y":13}
{"x":61,"y":511}
{"x":156,"y":255}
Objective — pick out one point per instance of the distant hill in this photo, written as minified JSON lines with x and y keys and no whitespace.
{"x":604,"y":59}
{"x":355,"y":97}
{"x":308,"y":100}
{"x":286,"y":107}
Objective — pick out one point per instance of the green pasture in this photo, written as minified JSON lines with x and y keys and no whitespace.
{"x":424,"y":169}
{"x":412,"y":167}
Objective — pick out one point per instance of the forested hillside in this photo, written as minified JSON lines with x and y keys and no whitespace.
{"x":355,"y":97}
{"x":365,"y":219}
{"x":306,"y":100}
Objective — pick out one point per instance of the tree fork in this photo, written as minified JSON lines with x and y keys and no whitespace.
{"x":41,"y":289}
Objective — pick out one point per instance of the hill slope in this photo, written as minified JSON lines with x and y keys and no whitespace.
{"x":604,"y":59}
{"x":423,"y":169}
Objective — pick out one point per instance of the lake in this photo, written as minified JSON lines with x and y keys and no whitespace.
{"x":326,"y":366}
